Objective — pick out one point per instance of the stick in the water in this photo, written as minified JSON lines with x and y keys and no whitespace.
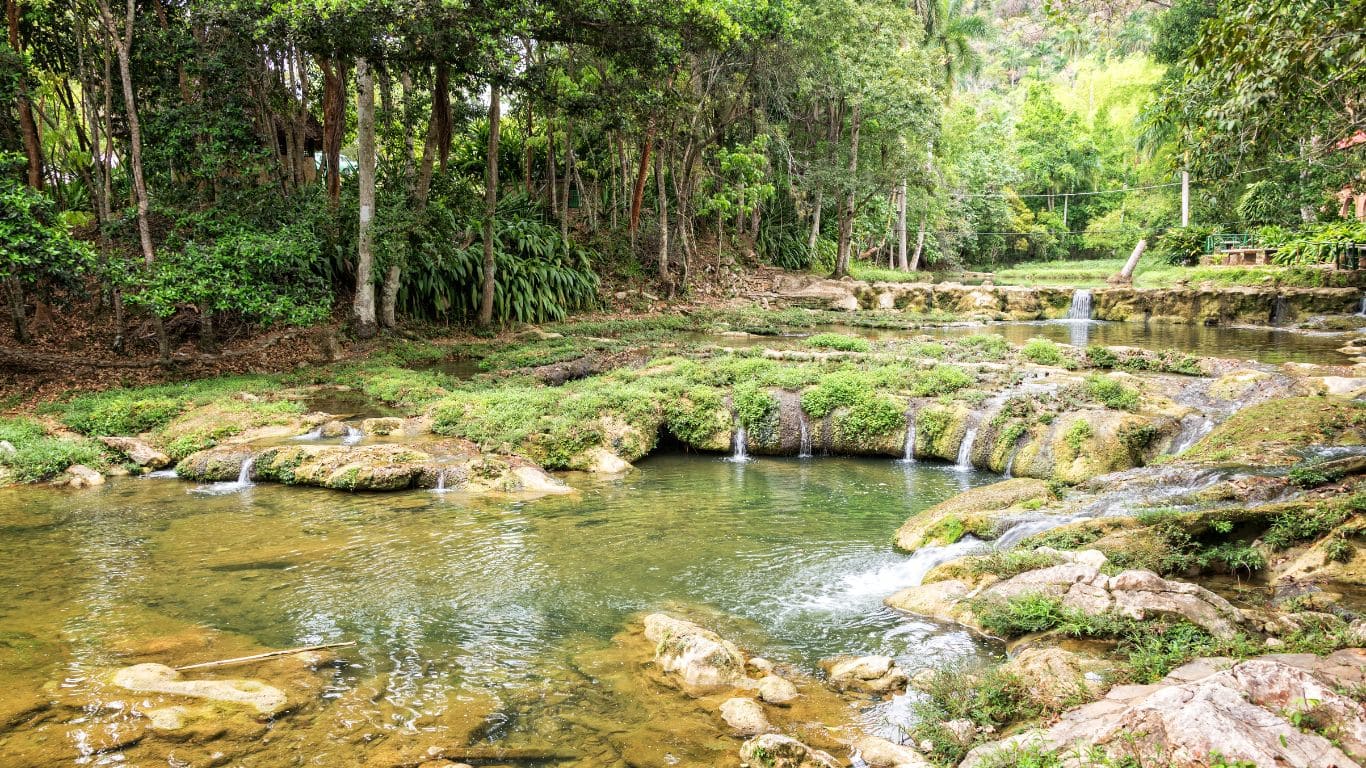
{"x":261,"y":656}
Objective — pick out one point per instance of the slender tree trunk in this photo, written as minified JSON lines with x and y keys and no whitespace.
{"x":27,"y":125}
{"x":388,"y":300}
{"x":334,"y":123}
{"x":638,"y":192}
{"x":661,"y":190}
{"x":815,"y":225}
{"x":363,"y":307}
{"x":124,"y":51}
{"x":901,"y":227}
{"x":568,"y":176}
{"x":919,"y":246}
{"x":849,"y":208}
{"x":490,"y":209}
{"x":15,"y":289}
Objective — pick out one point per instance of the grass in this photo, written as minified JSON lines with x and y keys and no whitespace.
{"x":39,"y":456}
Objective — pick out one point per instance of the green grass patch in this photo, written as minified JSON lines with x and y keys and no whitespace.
{"x":839,"y":342}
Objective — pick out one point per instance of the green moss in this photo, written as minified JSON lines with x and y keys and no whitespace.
{"x":985,"y":346}
{"x":871,"y":419}
{"x":1268,"y":433}
{"x":931,"y":424}
{"x":131,"y":411}
{"x":1077,"y":435}
{"x":697,"y":416}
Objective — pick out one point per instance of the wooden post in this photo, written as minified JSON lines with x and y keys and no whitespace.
{"x":1185,"y":198}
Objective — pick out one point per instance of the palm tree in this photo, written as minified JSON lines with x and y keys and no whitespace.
{"x":952,"y":28}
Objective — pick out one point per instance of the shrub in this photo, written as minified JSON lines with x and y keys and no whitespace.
{"x":1102,"y":357}
{"x":1019,"y":615}
{"x":838,"y":341}
{"x":1297,"y":525}
{"x":871,"y":419}
{"x":989,"y":698}
{"x":985,"y":346}
{"x":1313,"y":473}
{"x":942,"y":379}
{"x":1111,"y":393}
{"x":1077,"y":435}
{"x":1182,"y":245}
{"x":1043,"y":352}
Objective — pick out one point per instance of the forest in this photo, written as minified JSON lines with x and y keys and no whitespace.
{"x":190,"y":173}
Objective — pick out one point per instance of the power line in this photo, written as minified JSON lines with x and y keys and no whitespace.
{"x":1105,"y":191}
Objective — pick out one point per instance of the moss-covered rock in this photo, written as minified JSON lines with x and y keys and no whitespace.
{"x":974,"y":511}
{"x":1269,"y":433}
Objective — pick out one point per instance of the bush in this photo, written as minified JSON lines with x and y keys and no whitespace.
{"x":1043,"y":352}
{"x":985,"y":346}
{"x":1111,"y":393}
{"x":942,"y":379}
{"x":871,"y":419}
{"x":1292,"y":527}
{"x":1182,"y":245}
{"x":838,"y":341}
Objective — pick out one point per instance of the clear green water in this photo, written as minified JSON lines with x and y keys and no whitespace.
{"x":447,"y":595}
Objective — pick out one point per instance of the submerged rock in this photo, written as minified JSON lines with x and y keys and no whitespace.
{"x":867,"y":674}
{"x":700,"y":659}
{"x":772,"y":750}
{"x":159,"y":678}
{"x":745,"y":716}
{"x":776,"y":690}
{"x":1280,"y":711}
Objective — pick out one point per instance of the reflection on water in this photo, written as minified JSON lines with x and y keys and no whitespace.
{"x":446,"y":595}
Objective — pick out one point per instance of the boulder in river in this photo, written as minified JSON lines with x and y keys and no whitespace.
{"x":776,"y":690}
{"x":867,"y":674}
{"x":82,"y":476}
{"x":701,"y":660}
{"x":772,"y":750}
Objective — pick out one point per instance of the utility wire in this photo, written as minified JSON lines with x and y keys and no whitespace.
{"x":1106,"y":191}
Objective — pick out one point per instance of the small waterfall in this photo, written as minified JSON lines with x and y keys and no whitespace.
{"x":244,"y":474}
{"x":1193,"y":428}
{"x":1081,"y":305}
{"x":353,"y":435}
{"x":964,"y":462}
{"x":1361,"y":308}
{"x":315,"y":433}
{"x":908,"y":450}
{"x":440,"y":482}
{"x":804,"y":449}
{"x":242,"y":482}
{"x":739,"y":444}
{"x":1010,"y":462}
{"x":925,"y":559}
{"x":1279,"y":310}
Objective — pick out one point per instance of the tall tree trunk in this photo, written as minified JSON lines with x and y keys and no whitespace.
{"x":33,"y":148}
{"x":363,"y":307}
{"x":663,"y":205}
{"x":490,"y":209}
{"x":388,"y":300}
{"x":638,"y":192}
{"x":334,"y":123}
{"x":901,"y":227}
{"x":124,"y":51}
{"x":568,"y":176}
{"x":848,"y":210}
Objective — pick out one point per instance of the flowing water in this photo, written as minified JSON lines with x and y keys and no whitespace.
{"x":1081,"y":305}
{"x":452,"y":599}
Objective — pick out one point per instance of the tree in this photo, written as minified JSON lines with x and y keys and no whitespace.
{"x":363,"y":306}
